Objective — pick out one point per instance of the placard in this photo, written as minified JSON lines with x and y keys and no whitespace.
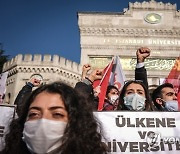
{"x":141,"y":132}
{"x":6,"y":115}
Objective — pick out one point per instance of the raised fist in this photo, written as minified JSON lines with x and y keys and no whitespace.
{"x":142,"y":53}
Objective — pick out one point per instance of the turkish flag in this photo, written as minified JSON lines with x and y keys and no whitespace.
{"x":117,"y":77}
{"x":174,"y":78}
{"x":103,"y":83}
{"x":113,"y":75}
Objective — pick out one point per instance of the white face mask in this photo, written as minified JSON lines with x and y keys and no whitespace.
{"x":134,"y":102}
{"x":113,"y":98}
{"x":171,"y":105}
{"x":43,"y":135}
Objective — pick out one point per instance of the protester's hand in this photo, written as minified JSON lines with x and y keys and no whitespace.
{"x":142,"y":53}
{"x":85,"y":69}
{"x":95,"y":75}
{"x":97,"y":90}
{"x":36,"y":82}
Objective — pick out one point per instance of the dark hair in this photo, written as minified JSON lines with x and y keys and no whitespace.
{"x":80,"y":136}
{"x":121,"y":105}
{"x":109,"y":88}
{"x":157,"y":93}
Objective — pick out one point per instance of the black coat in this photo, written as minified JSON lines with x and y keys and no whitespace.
{"x":23,"y":94}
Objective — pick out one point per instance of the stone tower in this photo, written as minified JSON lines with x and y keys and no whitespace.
{"x":51,"y":68}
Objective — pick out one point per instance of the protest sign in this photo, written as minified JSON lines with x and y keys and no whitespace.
{"x":3,"y":78}
{"x":141,"y":132}
{"x":6,"y":116}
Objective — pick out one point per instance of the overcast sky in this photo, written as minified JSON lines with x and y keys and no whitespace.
{"x":49,"y":26}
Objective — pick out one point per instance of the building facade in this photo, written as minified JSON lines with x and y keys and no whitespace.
{"x":151,"y":24}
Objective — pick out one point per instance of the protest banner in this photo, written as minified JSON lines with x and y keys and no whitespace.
{"x":6,"y":115}
{"x":141,"y":132}
{"x":3,"y":78}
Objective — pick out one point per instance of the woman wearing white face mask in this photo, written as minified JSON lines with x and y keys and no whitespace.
{"x":111,"y":100}
{"x":56,"y":120}
{"x":134,"y":96}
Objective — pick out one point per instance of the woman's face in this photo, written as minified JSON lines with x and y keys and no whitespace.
{"x":112,"y":92}
{"x":135,"y":88}
{"x":48,"y":106}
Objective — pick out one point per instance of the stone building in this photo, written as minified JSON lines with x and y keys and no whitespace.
{"x":104,"y":34}
{"x":51,"y":68}
{"x":151,"y":24}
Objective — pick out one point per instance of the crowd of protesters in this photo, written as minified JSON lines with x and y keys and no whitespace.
{"x":67,"y":112}
{"x":134,"y":95}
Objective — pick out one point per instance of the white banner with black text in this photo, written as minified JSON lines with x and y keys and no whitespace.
{"x":141,"y":132}
{"x":6,"y":116}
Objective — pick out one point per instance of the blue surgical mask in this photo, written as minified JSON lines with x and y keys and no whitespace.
{"x":171,"y":105}
{"x":135,"y":102}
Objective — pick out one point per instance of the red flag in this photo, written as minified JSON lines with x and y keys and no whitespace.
{"x":117,"y":77}
{"x":113,"y":75}
{"x":103,"y":83}
{"x":174,"y":78}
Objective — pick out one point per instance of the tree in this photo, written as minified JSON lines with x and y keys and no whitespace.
{"x":3,"y":58}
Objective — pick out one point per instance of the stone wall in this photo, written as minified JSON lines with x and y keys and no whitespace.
{"x":153,"y":5}
{"x":51,"y":68}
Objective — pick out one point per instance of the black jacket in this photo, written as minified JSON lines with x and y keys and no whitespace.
{"x":141,"y":74}
{"x":23,"y":94}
